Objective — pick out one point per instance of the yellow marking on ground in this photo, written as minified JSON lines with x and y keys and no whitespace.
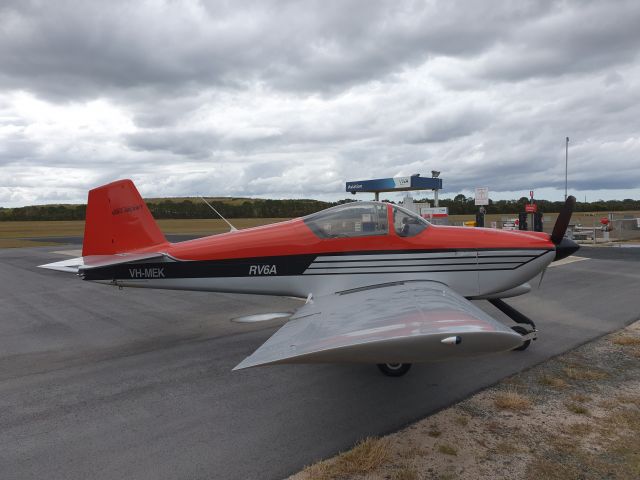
{"x":71,"y":253}
{"x":568,"y":260}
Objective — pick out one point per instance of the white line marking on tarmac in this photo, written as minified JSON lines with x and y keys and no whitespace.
{"x":568,"y":260}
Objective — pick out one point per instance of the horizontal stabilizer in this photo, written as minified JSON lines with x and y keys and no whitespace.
{"x":70,"y":266}
{"x":74,"y":265}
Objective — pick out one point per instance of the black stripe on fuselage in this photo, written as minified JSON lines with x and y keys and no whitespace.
{"x":241,"y":267}
{"x":285,"y":265}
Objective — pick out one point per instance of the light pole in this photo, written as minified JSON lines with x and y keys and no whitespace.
{"x":566,"y":167}
{"x":435,"y":174}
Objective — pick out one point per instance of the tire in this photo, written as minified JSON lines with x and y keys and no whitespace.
{"x":394,"y":369}
{"x":521,"y":331}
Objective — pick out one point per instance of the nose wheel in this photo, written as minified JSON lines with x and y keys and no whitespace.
{"x":528,"y":334}
{"x":394,"y":369}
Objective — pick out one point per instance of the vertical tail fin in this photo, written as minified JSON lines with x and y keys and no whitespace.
{"x":118,"y":221}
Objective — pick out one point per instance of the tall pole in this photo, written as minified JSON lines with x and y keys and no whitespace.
{"x":566,"y":168}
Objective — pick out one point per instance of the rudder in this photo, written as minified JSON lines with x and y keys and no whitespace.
{"x":118,"y":221}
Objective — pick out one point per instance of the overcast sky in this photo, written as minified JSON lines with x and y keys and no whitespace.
{"x":291,"y":99}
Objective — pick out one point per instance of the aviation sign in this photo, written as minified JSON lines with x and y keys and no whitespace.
{"x":482,"y":196}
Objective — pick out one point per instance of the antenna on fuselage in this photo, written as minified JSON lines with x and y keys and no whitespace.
{"x":231,"y":227}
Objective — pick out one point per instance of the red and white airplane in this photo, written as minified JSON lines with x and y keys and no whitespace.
{"x":382,"y":284}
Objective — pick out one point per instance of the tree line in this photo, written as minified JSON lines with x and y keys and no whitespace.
{"x":258,"y":208}
{"x":177,"y":208}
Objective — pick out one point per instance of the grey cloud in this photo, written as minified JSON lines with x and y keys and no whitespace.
{"x":18,"y":148}
{"x":287,"y":99}
{"x":447,"y":125}
{"x":71,"y":50}
{"x":261,"y":170}
{"x":80,"y":50}
{"x":151,"y":111}
{"x":573,"y":38}
{"x":192,"y":144}
{"x":519,"y":170}
{"x":199,"y":144}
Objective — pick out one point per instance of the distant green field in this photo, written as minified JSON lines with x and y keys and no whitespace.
{"x":40,"y":229}
{"x":20,"y":230}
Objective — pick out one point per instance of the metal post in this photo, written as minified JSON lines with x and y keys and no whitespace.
{"x":435,"y":197}
{"x":566,"y":167}
{"x":377,"y":196}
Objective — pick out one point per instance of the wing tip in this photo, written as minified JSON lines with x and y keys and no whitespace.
{"x":243,"y":365}
{"x":251,"y":362}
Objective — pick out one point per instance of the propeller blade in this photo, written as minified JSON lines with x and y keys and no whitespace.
{"x":560,"y":228}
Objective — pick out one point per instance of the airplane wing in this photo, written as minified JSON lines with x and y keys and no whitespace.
{"x":75,"y":265}
{"x":403,"y":322}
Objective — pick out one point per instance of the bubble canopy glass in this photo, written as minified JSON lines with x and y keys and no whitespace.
{"x":359,"y":219}
{"x":407,"y":223}
{"x":356,"y":219}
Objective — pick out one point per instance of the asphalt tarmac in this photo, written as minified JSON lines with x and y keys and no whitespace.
{"x":102,"y":383}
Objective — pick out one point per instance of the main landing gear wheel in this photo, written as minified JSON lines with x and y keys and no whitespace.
{"x":521,"y":331}
{"x":394,"y":369}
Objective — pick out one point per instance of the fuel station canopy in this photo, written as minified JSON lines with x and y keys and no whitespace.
{"x":395,"y":184}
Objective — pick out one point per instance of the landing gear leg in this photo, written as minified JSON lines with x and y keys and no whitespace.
{"x":394,"y":369}
{"x":529,"y":333}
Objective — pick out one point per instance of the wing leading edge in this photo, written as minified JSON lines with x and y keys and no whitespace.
{"x":393,"y":323}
